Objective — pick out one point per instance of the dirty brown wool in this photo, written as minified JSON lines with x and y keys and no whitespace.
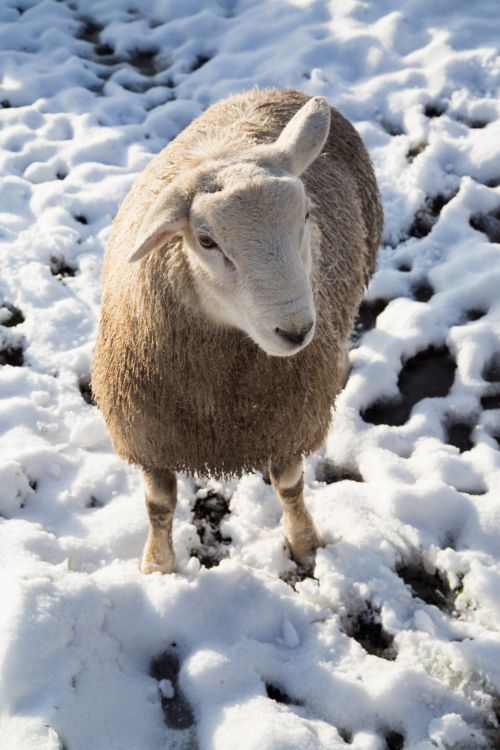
{"x":183,"y":388}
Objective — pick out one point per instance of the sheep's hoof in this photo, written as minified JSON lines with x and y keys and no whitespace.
{"x":152,"y":564}
{"x":303,"y":548}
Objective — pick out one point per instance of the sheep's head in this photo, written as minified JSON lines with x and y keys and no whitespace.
{"x":246,"y":234}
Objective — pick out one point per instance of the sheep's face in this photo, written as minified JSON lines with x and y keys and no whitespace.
{"x":246,"y":235}
{"x":248,"y":245}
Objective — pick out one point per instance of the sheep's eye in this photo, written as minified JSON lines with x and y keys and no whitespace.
{"x":206,"y":241}
{"x":308,"y":213}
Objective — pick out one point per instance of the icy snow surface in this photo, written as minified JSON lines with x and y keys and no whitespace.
{"x":395,"y":641}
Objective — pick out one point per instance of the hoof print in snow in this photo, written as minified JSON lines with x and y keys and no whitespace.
{"x":177,"y":711}
{"x":60,"y":269}
{"x":277,"y":694}
{"x":90,"y":32}
{"x":367,"y":317}
{"x":94,"y":503}
{"x":429,"y":374}
{"x":199,"y":62}
{"x":434,"y":109}
{"x":394,"y":741}
{"x":12,"y":355}
{"x":431,"y":588}
{"x":144,"y":61}
{"x":327,"y":471}
{"x":415,"y":151}
{"x":5,"y":104}
{"x":345,"y":734}
{"x":474,"y":314}
{"x":426,"y":217}
{"x":208,"y":513}
{"x":488,"y":223}
{"x":81,"y":219}
{"x":491,"y":374}
{"x":10,"y":315}
{"x":492,"y":370}
{"x":104,"y":50}
{"x":422,"y":291}
{"x":459,"y":435}
{"x":365,"y":627}
{"x":85,"y":388}
{"x":491,"y":401}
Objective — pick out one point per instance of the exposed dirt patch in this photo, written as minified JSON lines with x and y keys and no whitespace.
{"x":177,"y":711}
{"x":144,"y":61}
{"x":85,"y":388}
{"x":431,"y":588}
{"x":488,"y":223}
{"x":90,"y":31}
{"x":327,"y":471}
{"x":208,"y":513}
{"x":434,"y":109}
{"x":367,"y":317}
{"x":12,"y":355}
{"x":60,"y":269}
{"x":474,"y":314}
{"x":394,"y":741}
{"x":492,"y":370}
{"x":426,"y":217}
{"x":365,"y":627}
{"x":422,"y":291}
{"x":13,"y":315}
{"x":277,"y":694}
{"x":491,"y":402}
{"x":415,"y":151}
{"x":459,"y":435}
{"x":429,"y":374}
{"x":199,"y":62}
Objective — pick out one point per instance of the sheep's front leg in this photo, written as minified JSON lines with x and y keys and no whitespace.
{"x":161,"y":499}
{"x":300,"y":532}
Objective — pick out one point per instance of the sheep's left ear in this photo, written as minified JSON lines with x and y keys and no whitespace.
{"x":301,"y":141}
{"x":166,"y":217}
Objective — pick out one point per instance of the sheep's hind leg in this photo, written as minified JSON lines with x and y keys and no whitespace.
{"x":161,"y":499}
{"x":300,"y":532}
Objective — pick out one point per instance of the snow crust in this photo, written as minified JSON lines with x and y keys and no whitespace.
{"x":85,"y":106}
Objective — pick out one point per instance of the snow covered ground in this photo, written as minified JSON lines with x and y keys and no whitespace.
{"x":395,"y":643}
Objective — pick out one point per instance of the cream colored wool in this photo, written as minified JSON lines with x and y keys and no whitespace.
{"x":178,"y":390}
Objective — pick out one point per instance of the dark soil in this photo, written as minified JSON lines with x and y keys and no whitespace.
{"x":208,"y":513}
{"x":429,"y":587}
{"x":367,"y":317}
{"x":85,"y":387}
{"x":459,"y":435}
{"x":61,"y":269}
{"x":177,"y":711}
{"x":12,"y":355}
{"x":16,"y":316}
{"x":327,"y":471}
{"x":429,"y":374}
{"x":426,"y":217}
{"x":488,"y":223}
{"x":279,"y":695}
{"x":365,"y":627}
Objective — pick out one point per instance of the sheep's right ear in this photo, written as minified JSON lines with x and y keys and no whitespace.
{"x":165,"y":218}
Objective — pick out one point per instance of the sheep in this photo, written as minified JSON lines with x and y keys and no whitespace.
{"x":233,"y":272}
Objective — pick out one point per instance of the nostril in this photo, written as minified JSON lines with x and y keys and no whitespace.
{"x":295,"y":337}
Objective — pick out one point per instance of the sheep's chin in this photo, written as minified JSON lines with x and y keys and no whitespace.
{"x":277,"y":349}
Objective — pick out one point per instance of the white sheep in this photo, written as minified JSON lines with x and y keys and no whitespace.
{"x":234,"y":270}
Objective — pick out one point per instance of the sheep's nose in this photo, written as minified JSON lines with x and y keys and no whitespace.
{"x":295,"y":337}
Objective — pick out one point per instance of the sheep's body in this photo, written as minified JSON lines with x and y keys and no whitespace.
{"x":179,"y":391}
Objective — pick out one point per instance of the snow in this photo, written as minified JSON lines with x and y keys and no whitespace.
{"x":395,"y":641}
